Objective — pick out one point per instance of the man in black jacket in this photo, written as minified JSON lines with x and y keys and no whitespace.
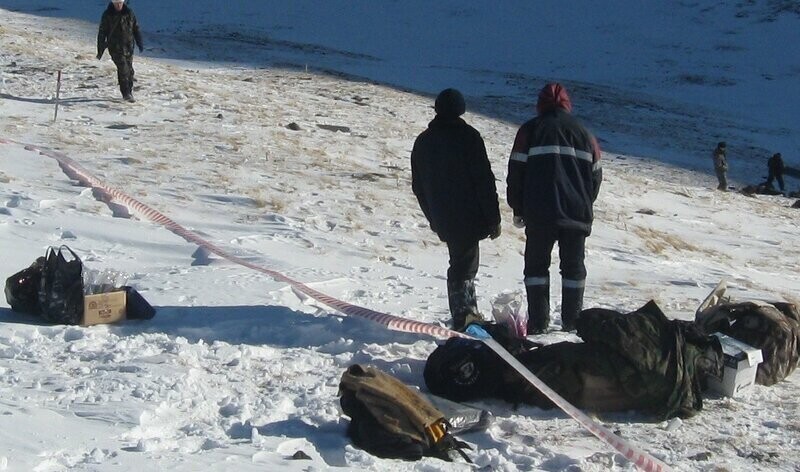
{"x":776,"y":167}
{"x":454,"y":184}
{"x":118,"y":31}
{"x":554,"y":177}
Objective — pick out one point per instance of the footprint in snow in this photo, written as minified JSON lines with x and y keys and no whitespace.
{"x":13,"y":202}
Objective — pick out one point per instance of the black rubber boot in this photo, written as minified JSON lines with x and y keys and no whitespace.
{"x":126,"y":87}
{"x":463,"y":304}
{"x":571,"y":306}
{"x":538,"y":308}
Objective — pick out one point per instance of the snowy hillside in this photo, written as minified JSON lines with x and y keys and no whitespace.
{"x":665,"y":80}
{"x":236,"y":371}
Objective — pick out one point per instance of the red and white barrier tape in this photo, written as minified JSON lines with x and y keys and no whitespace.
{"x":74,"y":170}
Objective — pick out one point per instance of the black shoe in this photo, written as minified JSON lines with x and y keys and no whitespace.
{"x":571,"y":306}
{"x":128,"y":98}
{"x":534,"y":330}
{"x":462,"y":303}
{"x":538,"y":308}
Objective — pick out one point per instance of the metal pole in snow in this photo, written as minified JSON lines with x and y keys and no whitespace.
{"x":58,"y":95}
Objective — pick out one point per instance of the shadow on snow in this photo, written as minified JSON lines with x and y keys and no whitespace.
{"x":274,"y":326}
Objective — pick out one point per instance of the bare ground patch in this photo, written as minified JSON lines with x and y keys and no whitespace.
{"x":658,"y":242}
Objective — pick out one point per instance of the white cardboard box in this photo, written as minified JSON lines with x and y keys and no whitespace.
{"x":739,"y":372}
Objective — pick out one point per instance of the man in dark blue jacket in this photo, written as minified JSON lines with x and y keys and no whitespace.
{"x":454,"y":184}
{"x":554,"y":177}
{"x":118,"y":31}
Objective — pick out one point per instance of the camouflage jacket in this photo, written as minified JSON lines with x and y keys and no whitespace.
{"x":636,"y":361}
{"x":720,"y":160}
{"x":118,"y":31}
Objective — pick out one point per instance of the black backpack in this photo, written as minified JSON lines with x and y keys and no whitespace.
{"x":390,"y":420}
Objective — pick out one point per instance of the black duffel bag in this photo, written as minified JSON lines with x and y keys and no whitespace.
{"x":464,"y":369}
{"x":61,"y":287}
{"x":22,"y":288}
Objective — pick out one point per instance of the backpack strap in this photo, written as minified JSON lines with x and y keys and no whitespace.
{"x":443,"y":442}
{"x":436,"y":431}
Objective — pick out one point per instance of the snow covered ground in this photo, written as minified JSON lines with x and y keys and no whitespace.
{"x":236,"y":372}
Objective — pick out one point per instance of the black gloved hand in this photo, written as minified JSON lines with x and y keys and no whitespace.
{"x":99,"y":55}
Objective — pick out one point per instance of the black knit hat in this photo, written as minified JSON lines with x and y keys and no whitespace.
{"x":721,"y":144}
{"x":450,"y":104}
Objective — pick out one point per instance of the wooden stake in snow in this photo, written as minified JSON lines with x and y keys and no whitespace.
{"x":58,"y":94}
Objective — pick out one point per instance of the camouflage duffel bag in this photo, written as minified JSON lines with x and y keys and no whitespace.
{"x":772,"y":327}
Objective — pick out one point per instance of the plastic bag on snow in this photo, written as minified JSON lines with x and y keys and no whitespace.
{"x":61,"y":287}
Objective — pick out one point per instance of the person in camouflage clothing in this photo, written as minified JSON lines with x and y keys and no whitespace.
{"x":636,"y":361}
{"x":118,"y":31}
{"x":721,"y":165}
{"x":772,"y":327}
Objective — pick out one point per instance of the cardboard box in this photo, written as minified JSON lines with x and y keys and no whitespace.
{"x":103,"y":308}
{"x":739,"y":372}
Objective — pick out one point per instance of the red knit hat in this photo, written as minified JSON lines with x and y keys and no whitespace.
{"x":553,"y":96}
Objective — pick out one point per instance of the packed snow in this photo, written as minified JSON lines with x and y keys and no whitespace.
{"x":238,"y":371}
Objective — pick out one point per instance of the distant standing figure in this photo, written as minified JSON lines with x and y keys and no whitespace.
{"x":721,"y":166}
{"x":775,"y":166}
{"x":453,"y":181}
{"x":554,"y":177}
{"x":118,"y":31}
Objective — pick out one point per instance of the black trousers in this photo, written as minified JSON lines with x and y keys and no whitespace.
{"x":775,"y":176}
{"x":464,"y":260}
{"x":124,"y":63}
{"x":538,"y":252}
